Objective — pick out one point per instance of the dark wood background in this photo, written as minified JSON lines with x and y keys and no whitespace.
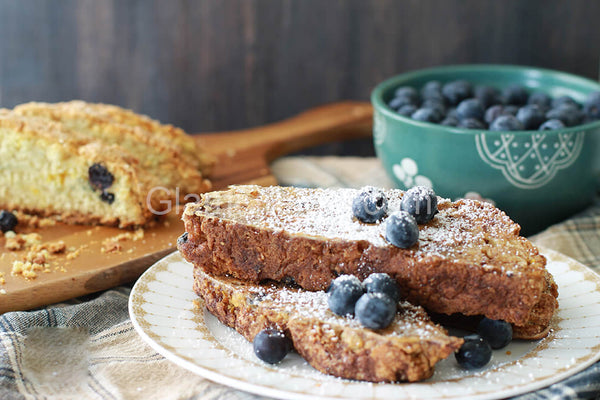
{"x":228,"y":64}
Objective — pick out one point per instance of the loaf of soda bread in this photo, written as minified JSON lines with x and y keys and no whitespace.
{"x":469,"y":259}
{"x":48,"y":171}
{"x":163,"y":151}
{"x":407,"y":350}
{"x":95,"y":164}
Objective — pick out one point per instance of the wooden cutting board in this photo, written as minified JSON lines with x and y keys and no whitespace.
{"x":243,"y":157}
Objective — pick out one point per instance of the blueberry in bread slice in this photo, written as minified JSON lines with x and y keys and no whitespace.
{"x":407,"y":350}
{"x":469,"y":258}
{"x":165,"y":152}
{"x":49,"y":171}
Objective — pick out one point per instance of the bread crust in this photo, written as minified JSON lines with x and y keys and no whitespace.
{"x":502,"y":276}
{"x":405,"y":351}
{"x":188,"y":145}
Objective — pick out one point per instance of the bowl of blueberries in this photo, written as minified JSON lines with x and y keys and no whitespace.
{"x":526,"y":139}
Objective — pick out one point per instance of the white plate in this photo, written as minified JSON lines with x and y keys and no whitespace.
{"x":162,"y":310}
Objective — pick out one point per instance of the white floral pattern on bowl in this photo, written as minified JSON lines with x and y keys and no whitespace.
{"x":407,"y":173}
{"x":530,"y":161}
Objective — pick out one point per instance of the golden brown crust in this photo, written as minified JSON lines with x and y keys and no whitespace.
{"x":491,"y":271}
{"x":405,"y":351}
{"x":538,"y":322}
{"x":188,"y":145}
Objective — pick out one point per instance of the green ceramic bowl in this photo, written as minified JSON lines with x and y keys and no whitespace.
{"x":537,"y":177}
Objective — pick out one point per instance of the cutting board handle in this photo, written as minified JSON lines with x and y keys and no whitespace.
{"x":328,"y":123}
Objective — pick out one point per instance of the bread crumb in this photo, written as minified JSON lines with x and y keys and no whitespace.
{"x":57,"y":247}
{"x":74,"y":252}
{"x":37,"y":259}
{"x":20,"y":241}
{"x":113,"y":245}
{"x":196,"y":305}
{"x":28,"y":270}
{"x":54,"y":247}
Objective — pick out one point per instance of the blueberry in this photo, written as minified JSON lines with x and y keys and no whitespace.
{"x":408,"y":92}
{"x":437,"y":104}
{"x":428,"y":115}
{"x":432,"y":89}
{"x":401,"y":230}
{"x":407,"y":110}
{"x":182,"y":239}
{"x":506,"y":123}
{"x":271,"y":345}
{"x":452,"y":113}
{"x":498,"y":333}
{"x":564,"y":100}
{"x":569,"y":115}
{"x":531,"y":116}
{"x":471,"y":123}
{"x":344,"y":291}
{"x":436,"y":96}
{"x":375,"y":310}
{"x":344,"y":280}
{"x":474,"y":353}
{"x":493,"y":112}
{"x":8,"y":221}
{"x":551,"y":125}
{"x":542,"y":100}
{"x":421,"y":203}
{"x":398,"y":102}
{"x":99,"y":177}
{"x":510,"y":110}
{"x":107,"y":197}
{"x":487,"y":95}
{"x":470,"y":108}
{"x":591,"y":107}
{"x":370,"y":205}
{"x":382,"y":283}
{"x":450,"y":121}
{"x":516,"y":95}
{"x":457,"y":91}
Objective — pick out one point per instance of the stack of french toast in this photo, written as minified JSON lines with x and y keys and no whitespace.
{"x":264,"y":257}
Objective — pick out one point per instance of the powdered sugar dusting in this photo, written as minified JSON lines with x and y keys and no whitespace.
{"x":458,"y":228}
{"x":410,"y":320}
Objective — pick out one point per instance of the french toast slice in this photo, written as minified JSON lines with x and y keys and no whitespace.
{"x":45,"y":170}
{"x":407,"y":350}
{"x":469,"y":259}
{"x":163,"y":152}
